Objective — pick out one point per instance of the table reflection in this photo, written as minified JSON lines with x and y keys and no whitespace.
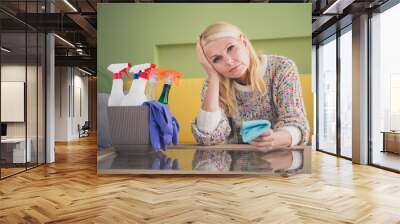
{"x":187,"y":160}
{"x":247,"y":161}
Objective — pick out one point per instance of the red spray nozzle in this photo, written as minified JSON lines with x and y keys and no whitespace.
{"x":146,"y":74}
{"x":125,"y":71}
{"x":119,"y":69}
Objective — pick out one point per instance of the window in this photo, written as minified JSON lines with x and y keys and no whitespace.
{"x":346,"y":93}
{"x":385,"y":88}
{"x":394,"y":117}
{"x":327,"y":96}
{"x":22,"y":74}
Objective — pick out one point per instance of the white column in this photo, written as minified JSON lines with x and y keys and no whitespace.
{"x":50,"y":92}
{"x":314,"y":92}
{"x":360,"y":90}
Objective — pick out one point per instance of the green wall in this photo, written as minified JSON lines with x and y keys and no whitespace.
{"x":166,"y":33}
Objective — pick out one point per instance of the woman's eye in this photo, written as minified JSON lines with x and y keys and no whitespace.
{"x":230,"y":48}
{"x":216,"y":60}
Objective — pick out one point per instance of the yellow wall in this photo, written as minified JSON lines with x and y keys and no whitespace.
{"x":184,"y":157}
{"x":184,"y":101}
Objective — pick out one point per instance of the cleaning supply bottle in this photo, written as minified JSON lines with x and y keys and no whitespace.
{"x":151,"y":85}
{"x":165,"y":92}
{"x":117,"y":94}
{"x":136,"y":95}
{"x":169,"y":77}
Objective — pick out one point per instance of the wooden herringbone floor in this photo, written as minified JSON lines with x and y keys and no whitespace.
{"x":70,"y":191}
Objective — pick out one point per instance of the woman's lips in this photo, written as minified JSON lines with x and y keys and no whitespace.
{"x":232,"y":69}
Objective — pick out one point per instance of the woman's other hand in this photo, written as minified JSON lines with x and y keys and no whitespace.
{"x":272,"y":139}
{"x":275,"y":160}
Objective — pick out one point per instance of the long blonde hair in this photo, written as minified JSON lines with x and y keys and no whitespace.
{"x":227,"y":97}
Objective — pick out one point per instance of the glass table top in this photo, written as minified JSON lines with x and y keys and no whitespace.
{"x":196,"y":159}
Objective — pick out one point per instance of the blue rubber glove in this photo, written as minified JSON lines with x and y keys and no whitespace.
{"x":163,"y":127}
{"x":252,"y":129}
{"x":175,"y":164}
{"x":156,"y":165}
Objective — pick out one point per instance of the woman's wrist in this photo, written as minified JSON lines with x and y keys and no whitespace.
{"x":285,"y":139}
{"x":211,"y":99}
{"x":213,"y":78}
{"x":210,"y":108}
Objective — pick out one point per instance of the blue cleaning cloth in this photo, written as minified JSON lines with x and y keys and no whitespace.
{"x":252,"y":129}
{"x":164,"y":128}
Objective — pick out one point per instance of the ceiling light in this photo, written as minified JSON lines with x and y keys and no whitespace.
{"x":70,"y":5}
{"x":338,"y":6}
{"x":64,"y":40}
{"x":5,"y":50}
{"x":84,"y":71}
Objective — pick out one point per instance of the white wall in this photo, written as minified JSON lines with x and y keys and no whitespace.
{"x":12,"y":73}
{"x":79,"y":117}
{"x":33,"y":126}
{"x":61,"y":103}
{"x":70,"y":83}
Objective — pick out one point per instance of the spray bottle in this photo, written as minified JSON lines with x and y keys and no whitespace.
{"x":169,"y":77}
{"x":117,"y":94}
{"x":136,"y":96}
{"x":152,"y":84}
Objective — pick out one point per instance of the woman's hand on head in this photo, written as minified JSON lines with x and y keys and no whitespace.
{"x":272,"y":139}
{"x":207,"y":66}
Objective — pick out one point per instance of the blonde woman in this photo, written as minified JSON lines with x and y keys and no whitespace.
{"x":242,"y":85}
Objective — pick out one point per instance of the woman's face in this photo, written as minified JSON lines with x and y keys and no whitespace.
{"x":229,"y":56}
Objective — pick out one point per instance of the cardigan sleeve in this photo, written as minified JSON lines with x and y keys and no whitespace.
{"x":211,"y":136}
{"x":288,"y":98}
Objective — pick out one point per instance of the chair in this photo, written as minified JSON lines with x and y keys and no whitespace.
{"x":84,"y":130}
